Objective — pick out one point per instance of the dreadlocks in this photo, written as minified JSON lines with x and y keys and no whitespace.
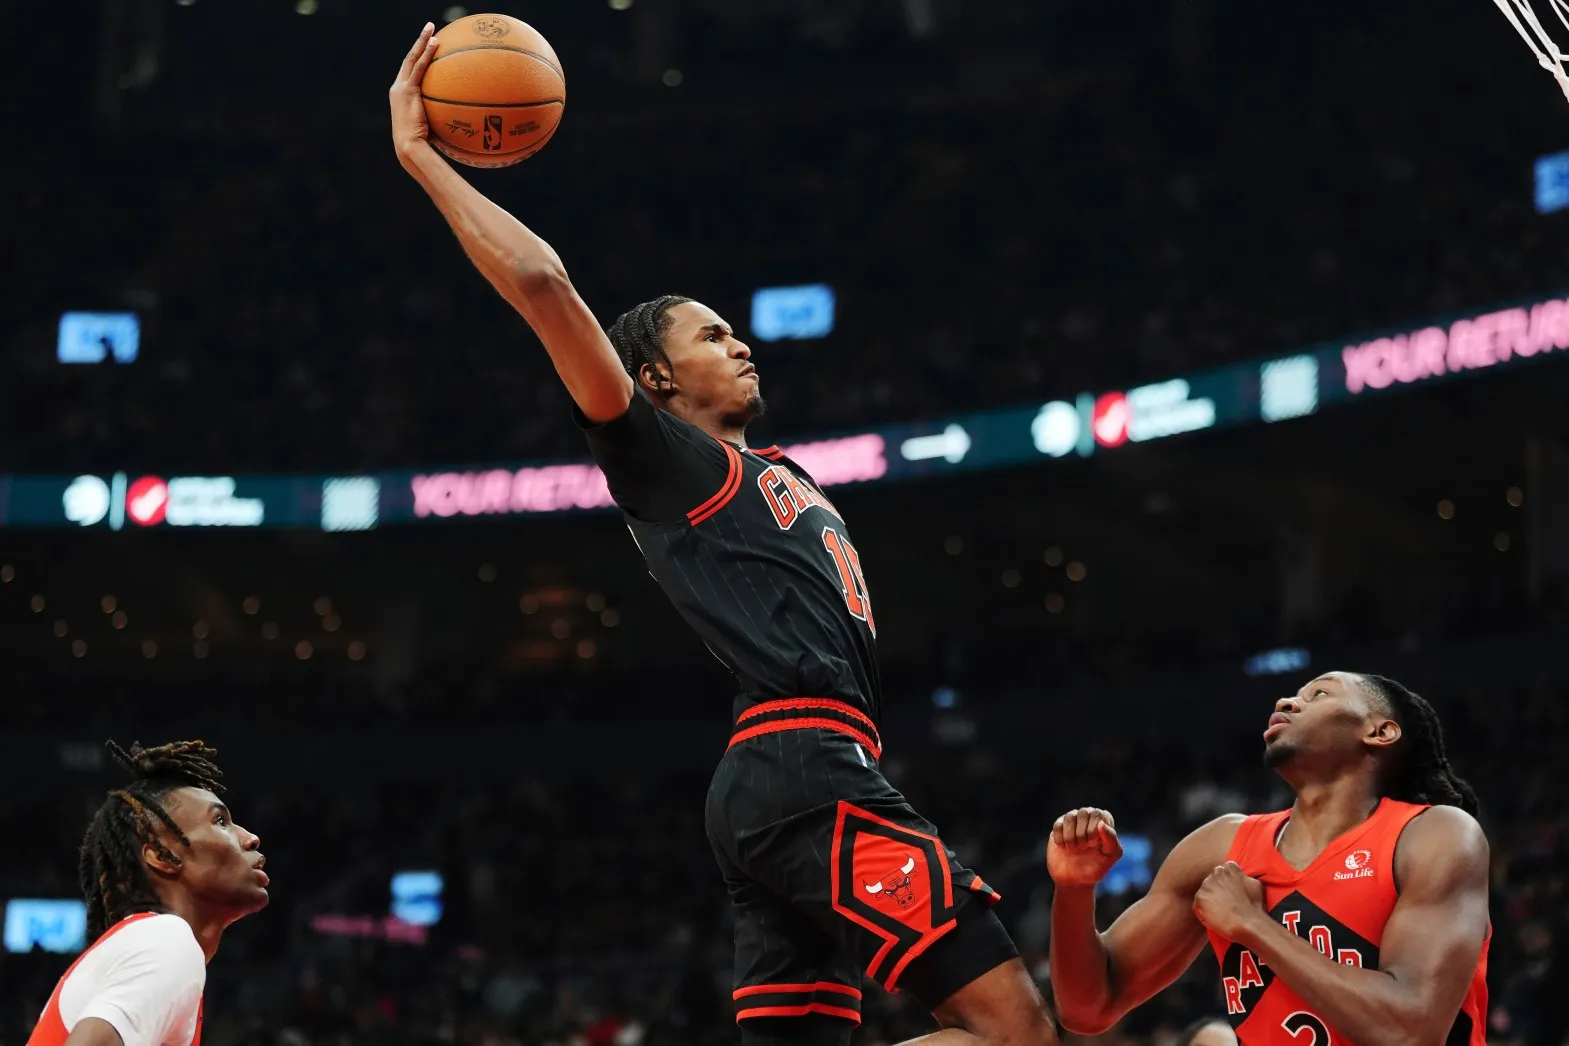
{"x":1422,"y":773}
{"x":113,"y":878}
{"x":638,"y":334}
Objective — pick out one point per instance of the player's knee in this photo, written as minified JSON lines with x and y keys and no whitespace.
{"x":1001,"y":1008}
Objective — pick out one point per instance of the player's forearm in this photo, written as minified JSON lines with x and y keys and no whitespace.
{"x":1080,"y":964}
{"x":505,"y":250}
{"x":1358,"y":1004}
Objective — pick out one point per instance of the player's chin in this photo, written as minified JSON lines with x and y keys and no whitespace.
{"x":1278,"y":753}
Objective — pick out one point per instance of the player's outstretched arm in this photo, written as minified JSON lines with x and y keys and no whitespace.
{"x":520,"y":265}
{"x":1429,"y":951}
{"x":1098,"y":977}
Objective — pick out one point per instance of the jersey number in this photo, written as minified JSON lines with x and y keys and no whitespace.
{"x":1302,"y":1021}
{"x":856,"y":597}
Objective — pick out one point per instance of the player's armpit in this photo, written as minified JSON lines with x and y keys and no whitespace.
{"x":90,"y":1031}
{"x":1099,"y":977}
{"x":529,"y":274}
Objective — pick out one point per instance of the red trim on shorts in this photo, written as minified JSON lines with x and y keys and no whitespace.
{"x":929,"y":936}
{"x":726,"y":492}
{"x":820,"y":986}
{"x":852,"y":1016}
{"x":781,"y":725}
{"x":791,"y":704}
{"x":982,"y":887}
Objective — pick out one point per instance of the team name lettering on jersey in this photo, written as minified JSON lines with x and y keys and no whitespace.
{"x":1244,"y":976}
{"x":788,"y":497}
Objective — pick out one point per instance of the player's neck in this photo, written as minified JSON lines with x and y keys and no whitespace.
{"x":718,"y":429}
{"x":207,"y":926}
{"x":1325,"y":810}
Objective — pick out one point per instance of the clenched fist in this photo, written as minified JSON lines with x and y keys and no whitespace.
{"x":1083,"y":847}
{"x":1229,"y":902}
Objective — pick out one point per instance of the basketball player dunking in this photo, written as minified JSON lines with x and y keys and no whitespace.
{"x":1357,"y":916}
{"x":164,"y":870}
{"x":830,"y":871}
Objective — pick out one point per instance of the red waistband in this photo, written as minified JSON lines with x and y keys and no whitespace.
{"x":808,"y":713}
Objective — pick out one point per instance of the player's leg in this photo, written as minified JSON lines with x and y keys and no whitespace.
{"x":846,"y":849}
{"x":793,"y":987}
{"x":1002,"y":1007}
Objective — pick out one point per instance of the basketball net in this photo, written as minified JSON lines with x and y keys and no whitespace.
{"x":1548,"y":54}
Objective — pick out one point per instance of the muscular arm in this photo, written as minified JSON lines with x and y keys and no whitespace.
{"x":529,"y":274}
{"x":1099,"y":977}
{"x":93,"y":1032}
{"x":1429,"y":950}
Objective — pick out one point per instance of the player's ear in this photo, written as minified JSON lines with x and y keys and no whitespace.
{"x":1384,"y":733}
{"x":160,"y":863}
{"x":656,"y":380}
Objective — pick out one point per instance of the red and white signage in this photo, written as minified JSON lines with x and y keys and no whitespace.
{"x":147,"y":501}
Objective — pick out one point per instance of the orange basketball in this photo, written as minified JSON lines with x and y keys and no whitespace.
{"x":494,"y":91}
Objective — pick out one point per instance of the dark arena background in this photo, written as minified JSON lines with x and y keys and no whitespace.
{"x":1163,"y":356}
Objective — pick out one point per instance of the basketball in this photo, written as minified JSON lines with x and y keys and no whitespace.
{"x":494,"y":91}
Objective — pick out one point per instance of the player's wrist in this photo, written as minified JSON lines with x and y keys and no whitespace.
{"x":415,"y":153}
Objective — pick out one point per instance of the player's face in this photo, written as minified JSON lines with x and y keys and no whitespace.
{"x":222,"y":868}
{"x":1331,"y":716}
{"x":713,"y":370}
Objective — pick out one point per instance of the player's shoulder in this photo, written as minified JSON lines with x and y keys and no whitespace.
{"x":1197,"y":854}
{"x":1443,"y":828}
{"x":167,"y":938}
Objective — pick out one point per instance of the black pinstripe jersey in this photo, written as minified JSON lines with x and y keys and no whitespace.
{"x":753,"y":555}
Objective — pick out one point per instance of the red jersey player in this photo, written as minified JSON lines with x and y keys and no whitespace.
{"x":1357,"y":916}
{"x":164,"y":870}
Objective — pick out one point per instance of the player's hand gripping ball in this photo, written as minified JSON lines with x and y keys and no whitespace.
{"x":1082,"y":847}
{"x":487,"y":92}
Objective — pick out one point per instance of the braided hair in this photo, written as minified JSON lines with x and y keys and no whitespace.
{"x":111,"y":873}
{"x":1421,"y":773}
{"x":638,"y":334}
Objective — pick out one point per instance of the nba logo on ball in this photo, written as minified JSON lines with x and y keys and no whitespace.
{"x":499,"y":75}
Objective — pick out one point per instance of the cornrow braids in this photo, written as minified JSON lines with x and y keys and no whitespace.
{"x":1422,"y":773}
{"x":111,"y":873}
{"x":638,"y":334}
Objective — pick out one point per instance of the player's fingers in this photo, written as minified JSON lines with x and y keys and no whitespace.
{"x":406,"y":69}
{"x":1087,"y":823}
{"x":422,"y":63}
{"x":1106,"y":835}
{"x":1056,"y":831}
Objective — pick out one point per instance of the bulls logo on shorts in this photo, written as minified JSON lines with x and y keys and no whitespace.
{"x":893,"y":881}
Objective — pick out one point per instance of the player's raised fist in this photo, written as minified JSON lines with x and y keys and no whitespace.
{"x":1082,"y":848}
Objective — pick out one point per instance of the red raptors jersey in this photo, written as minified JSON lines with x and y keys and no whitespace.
{"x":1340,"y":903}
{"x":51,"y":1029}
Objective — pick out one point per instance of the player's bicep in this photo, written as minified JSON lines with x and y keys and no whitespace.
{"x":1158,"y":937}
{"x":1435,"y":934}
{"x":1151,"y":944}
{"x":583,"y":356}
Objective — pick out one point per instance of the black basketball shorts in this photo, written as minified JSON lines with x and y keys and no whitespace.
{"x":833,"y":876}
